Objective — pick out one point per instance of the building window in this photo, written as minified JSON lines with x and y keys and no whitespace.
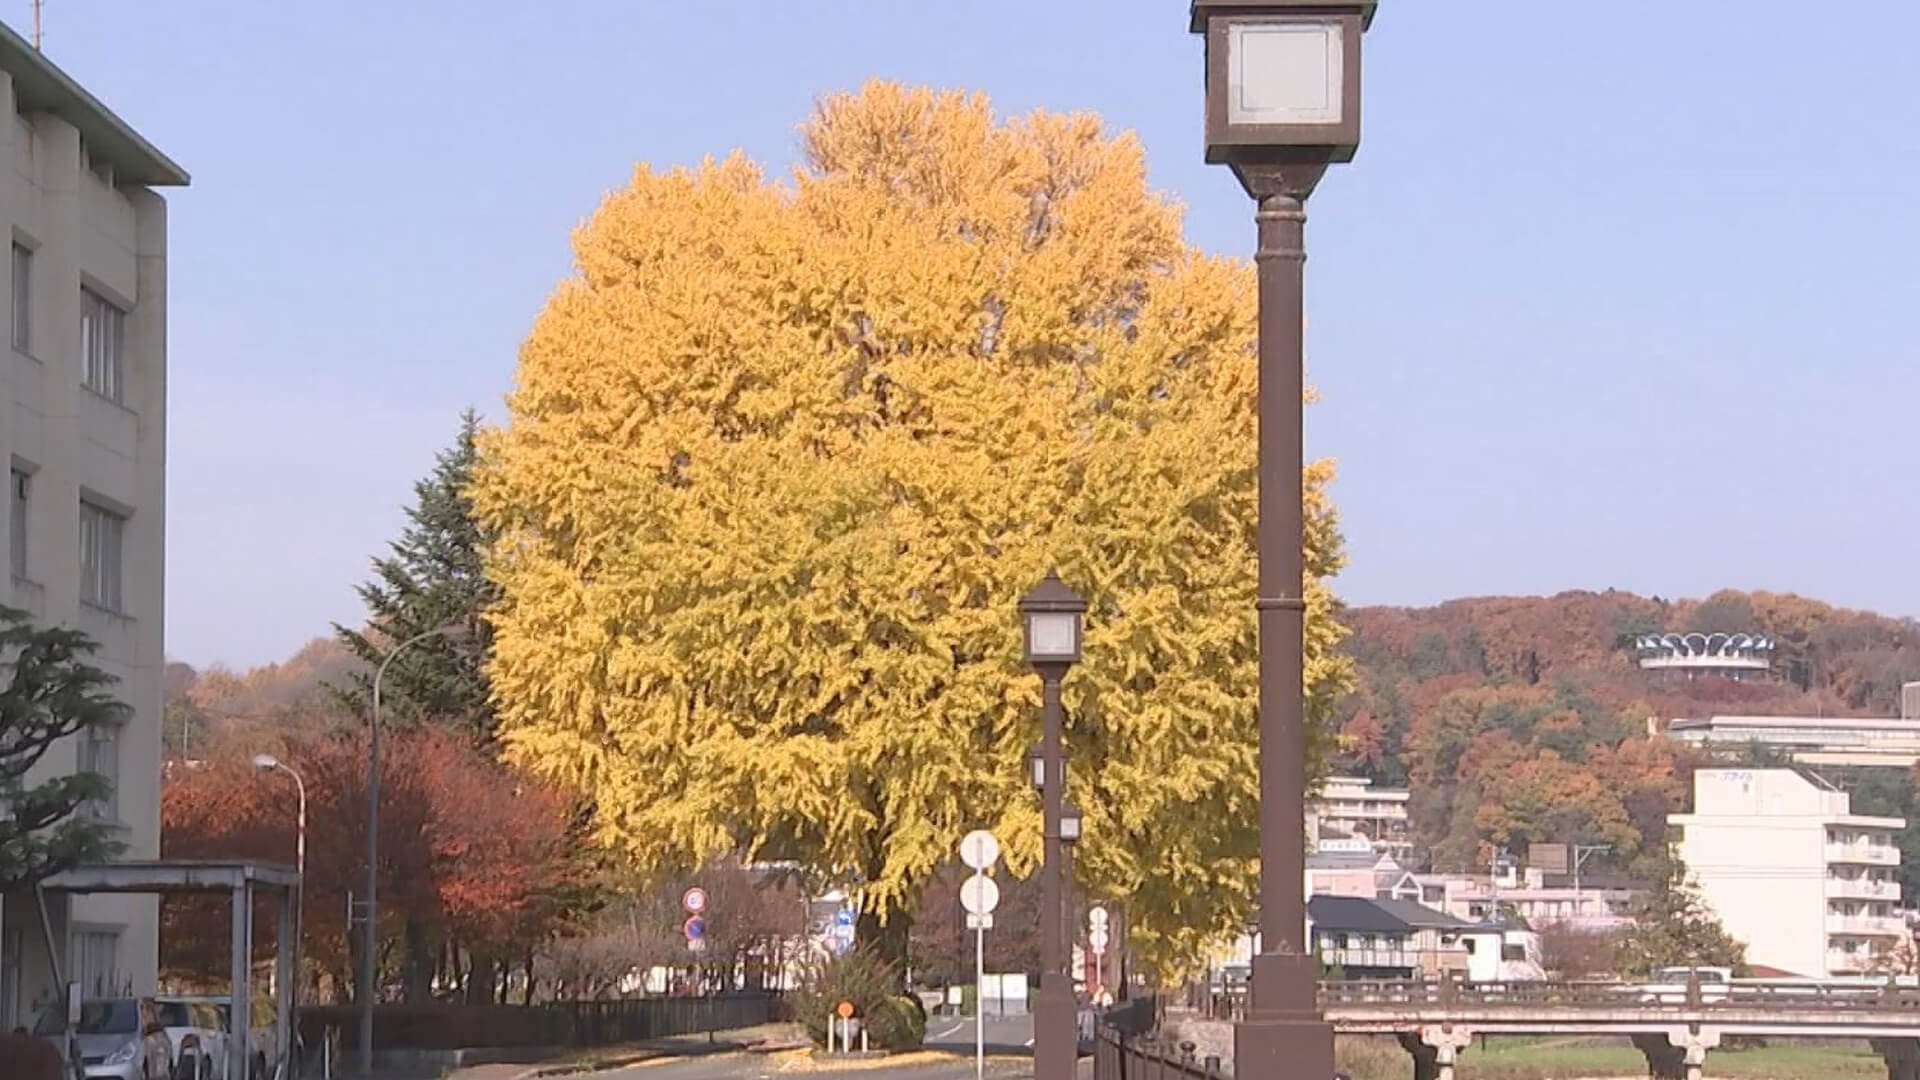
{"x":18,"y":486}
{"x":23,"y":299}
{"x":102,"y":533}
{"x":100,"y":755}
{"x":102,"y":331}
{"x":95,"y":962}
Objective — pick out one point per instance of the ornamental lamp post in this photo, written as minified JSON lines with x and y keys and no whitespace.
{"x":1283,"y":103}
{"x":1052,"y":615}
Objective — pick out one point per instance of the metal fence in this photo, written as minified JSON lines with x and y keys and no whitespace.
{"x":1144,"y":1057}
{"x":452,"y":1026}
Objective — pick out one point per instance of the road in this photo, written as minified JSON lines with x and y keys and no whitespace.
{"x":931,"y":1066}
{"x":949,"y":1057}
{"x":1005,"y":1035}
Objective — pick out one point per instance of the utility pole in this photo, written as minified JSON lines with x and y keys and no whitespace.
{"x":1580,"y":854}
{"x":36,"y":25}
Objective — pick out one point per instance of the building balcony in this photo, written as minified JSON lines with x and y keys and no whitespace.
{"x":1864,"y":854}
{"x":1866,"y":925}
{"x":1845,"y":963}
{"x":1861,"y":889}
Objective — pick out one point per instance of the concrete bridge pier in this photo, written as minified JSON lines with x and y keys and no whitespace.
{"x":1435,"y":1050}
{"x":1678,"y":1054}
{"x":1901,"y":1055}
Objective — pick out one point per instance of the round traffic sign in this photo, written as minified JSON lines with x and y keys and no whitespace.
{"x":979,"y":895}
{"x":694,"y":900}
{"x":696,"y":927}
{"x":1097,"y":917}
{"x":979,"y":849}
{"x":845,"y":1009}
{"x":1098,"y":939}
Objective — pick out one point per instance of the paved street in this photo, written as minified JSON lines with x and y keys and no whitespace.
{"x":929,"y":1066}
{"x":1005,"y":1035}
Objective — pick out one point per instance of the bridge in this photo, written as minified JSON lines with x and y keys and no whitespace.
{"x":1675,"y":1027}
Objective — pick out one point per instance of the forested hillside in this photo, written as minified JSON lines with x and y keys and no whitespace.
{"x":1523,"y":719}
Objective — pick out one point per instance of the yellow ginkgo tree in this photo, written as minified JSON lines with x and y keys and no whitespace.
{"x":782,"y":457}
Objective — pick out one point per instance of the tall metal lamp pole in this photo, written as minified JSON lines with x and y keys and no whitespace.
{"x":1283,"y":102}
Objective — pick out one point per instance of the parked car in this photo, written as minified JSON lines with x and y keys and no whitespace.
{"x":263,"y":1048}
{"x":197,"y":1032}
{"x":117,"y":1038}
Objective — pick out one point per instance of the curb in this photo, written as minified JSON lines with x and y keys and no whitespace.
{"x":582,"y":1068}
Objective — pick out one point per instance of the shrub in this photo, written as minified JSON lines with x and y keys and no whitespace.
{"x":893,"y":1021}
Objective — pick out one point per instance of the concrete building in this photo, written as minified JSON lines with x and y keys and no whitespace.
{"x":1352,"y":806}
{"x":1595,"y":902}
{"x":1808,"y":885}
{"x":83,"y":428}
{"x":1359,"y":874}
{"x":1818,"y":740}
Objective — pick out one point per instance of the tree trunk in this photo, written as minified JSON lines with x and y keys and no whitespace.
{"x":886,"y":937}
{"x":417,"y":968}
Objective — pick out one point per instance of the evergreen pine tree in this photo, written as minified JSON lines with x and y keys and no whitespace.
{"x":48,"y":692}
{"x":431,"y":578}
{"x":1675,"y":927}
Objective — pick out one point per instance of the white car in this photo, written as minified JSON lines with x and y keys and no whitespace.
{"x":197,"y":1034}
{"x":1669,"y":985}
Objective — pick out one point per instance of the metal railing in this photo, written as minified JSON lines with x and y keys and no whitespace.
{"x":1147,"y":1057}
{"x":1363,"y":994}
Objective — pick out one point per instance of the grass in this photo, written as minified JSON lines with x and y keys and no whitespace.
{"x":1371,"y":1058}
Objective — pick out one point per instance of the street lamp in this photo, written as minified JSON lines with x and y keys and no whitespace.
{"x":368,"y":945}
{"x":1052,"y":615}
{"x":267,"y":763}
{"x":1283,"y":102}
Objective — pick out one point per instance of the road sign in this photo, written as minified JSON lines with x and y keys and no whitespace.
{"x":982,"y":921}
{"x":695,"y":901}
{"x":1097,"y":918}
{"x":979,"y":849}
{"x":1098,"y":939}
{"x":845,"y":1009}
{"x":843,"y":917}
{"x":696,"y":927}
{"x":979,"y":895}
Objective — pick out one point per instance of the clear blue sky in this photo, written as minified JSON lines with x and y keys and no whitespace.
{"x":1617,"y":294}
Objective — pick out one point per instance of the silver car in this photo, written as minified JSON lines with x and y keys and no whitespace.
{"x":117,"y":1038}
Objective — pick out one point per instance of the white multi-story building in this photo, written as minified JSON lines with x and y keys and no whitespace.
{"x":1780,"y":856}
{"x":1598,"y":903}
{"x":1818,"y":740}
{"x":1352,"y":806}
{"x":83,"y":429}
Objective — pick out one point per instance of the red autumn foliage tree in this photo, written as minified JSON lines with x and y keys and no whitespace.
{"x":473,"y":857}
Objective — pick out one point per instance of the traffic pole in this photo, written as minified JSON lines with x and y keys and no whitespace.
{"x":979,"y":998}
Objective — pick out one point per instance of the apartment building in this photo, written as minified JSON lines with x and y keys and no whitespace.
{"x":83,"y":429}
{"x":1596,"y":903}
{"x":1807,"y":884}
{"x":1351,"y":806}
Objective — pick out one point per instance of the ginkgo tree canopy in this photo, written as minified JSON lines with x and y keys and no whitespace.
{"x":783,"y":455}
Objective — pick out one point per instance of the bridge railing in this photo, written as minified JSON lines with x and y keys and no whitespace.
{"x":1363,"y":993}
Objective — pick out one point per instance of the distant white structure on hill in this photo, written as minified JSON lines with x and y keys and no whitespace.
{"x":1740,"y":657}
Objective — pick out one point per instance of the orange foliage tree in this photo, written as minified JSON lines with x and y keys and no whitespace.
{"x":473,"y":857}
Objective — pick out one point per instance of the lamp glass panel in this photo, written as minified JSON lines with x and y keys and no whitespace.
{"x":1051,"y":635}
{"x":1285,"y":72}
{"x":1070,"y":827}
